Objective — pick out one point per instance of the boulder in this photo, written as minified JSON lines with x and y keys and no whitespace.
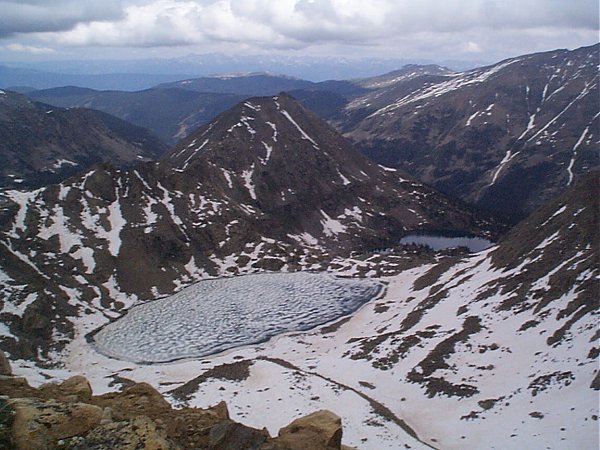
{"x":74,"y":389}
{"x":231,"y":435}
{"x":321,"y":430}
{"x":39,"y":425}
{"x":17,"y":387}
{"x":138,"y":399}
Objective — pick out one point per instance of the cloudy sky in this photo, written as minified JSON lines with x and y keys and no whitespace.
{"x":486,"y":30}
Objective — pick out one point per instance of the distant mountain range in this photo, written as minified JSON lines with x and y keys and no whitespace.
{"x":172,"y":114}
{"x":11,"y":77}
{"x":139,"y":74}
{"x":173,"y":110}
{"x":506,"y":137}
{"x":42,"y":144}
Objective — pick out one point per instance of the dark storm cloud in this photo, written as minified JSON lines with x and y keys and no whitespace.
{"x":30,"y":16}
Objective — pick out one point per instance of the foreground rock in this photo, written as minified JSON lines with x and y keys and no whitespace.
{"x":68,"y":416}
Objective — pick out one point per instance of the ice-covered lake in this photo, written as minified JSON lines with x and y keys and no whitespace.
{"x":215,"y":315}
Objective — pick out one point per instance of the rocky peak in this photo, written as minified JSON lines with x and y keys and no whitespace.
{"x":271,"y":135}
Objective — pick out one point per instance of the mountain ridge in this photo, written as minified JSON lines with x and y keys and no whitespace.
{"x":497,"y":136}
{"x":42,"y":144}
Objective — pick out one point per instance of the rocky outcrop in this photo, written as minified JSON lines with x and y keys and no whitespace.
{"x":68,"y":416}
{"x":40,"y":425}
{"x":321,"y":429}
{"x":5,"y":368}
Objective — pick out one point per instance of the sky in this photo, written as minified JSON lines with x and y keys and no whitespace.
{"x":489,"y":30}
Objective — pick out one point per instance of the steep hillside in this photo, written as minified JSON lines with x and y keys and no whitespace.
{"x":507,"y":137}
{"x":41,"y":144}
{"x":496,"y":350}
{"x":493,"y":350}
{"x":171,"y":113}
{"x":251,"y":191}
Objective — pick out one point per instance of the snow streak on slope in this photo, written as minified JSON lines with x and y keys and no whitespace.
{"x":302,"y":132}
{"x":455,"y":82}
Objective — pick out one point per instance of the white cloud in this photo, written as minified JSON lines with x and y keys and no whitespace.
{"x":21,"y":48}
{"x":403,"y":26}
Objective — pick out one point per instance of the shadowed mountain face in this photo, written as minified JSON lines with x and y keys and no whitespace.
{"x":171,"y":113}
{"x":507,"y":137}
{"x":266,"y":185}
{"x":41,"y":144}
{"x":172,"y":110}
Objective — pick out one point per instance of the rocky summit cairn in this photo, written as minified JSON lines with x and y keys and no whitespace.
{"x":68,"y":416}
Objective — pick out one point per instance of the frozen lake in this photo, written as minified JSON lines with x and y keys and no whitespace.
{"x":215,"y":315}
{"x":440,"y":242}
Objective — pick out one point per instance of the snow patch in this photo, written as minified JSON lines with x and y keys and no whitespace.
{"x":227,"y":176}
{"x":247,"y":177}
{"x":302,"y":132}
{"x":331,"y":227}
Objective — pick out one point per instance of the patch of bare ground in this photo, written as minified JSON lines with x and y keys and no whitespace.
{"x":543,"y":382}
{"x":436,"y":360}
{"x":379,"y":308}
{"x":334,"y":326}
{"x":369,"y":346}
{"x":237,"y":371}
{"x":434,"y":274}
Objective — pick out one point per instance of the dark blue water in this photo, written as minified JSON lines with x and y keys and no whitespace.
{"x":440,"y":242}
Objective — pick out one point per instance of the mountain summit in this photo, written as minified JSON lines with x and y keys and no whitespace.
{"x":281,"y":159}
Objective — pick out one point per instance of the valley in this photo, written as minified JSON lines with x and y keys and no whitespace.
{"x":269,"y":258}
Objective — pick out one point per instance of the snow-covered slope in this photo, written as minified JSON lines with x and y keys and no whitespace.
{"x":266,"y":186}
{"x":492,"y":351}
{"x":509,"y":136}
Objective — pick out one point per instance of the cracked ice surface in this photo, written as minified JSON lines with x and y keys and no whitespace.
{"x":215,"y":315}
